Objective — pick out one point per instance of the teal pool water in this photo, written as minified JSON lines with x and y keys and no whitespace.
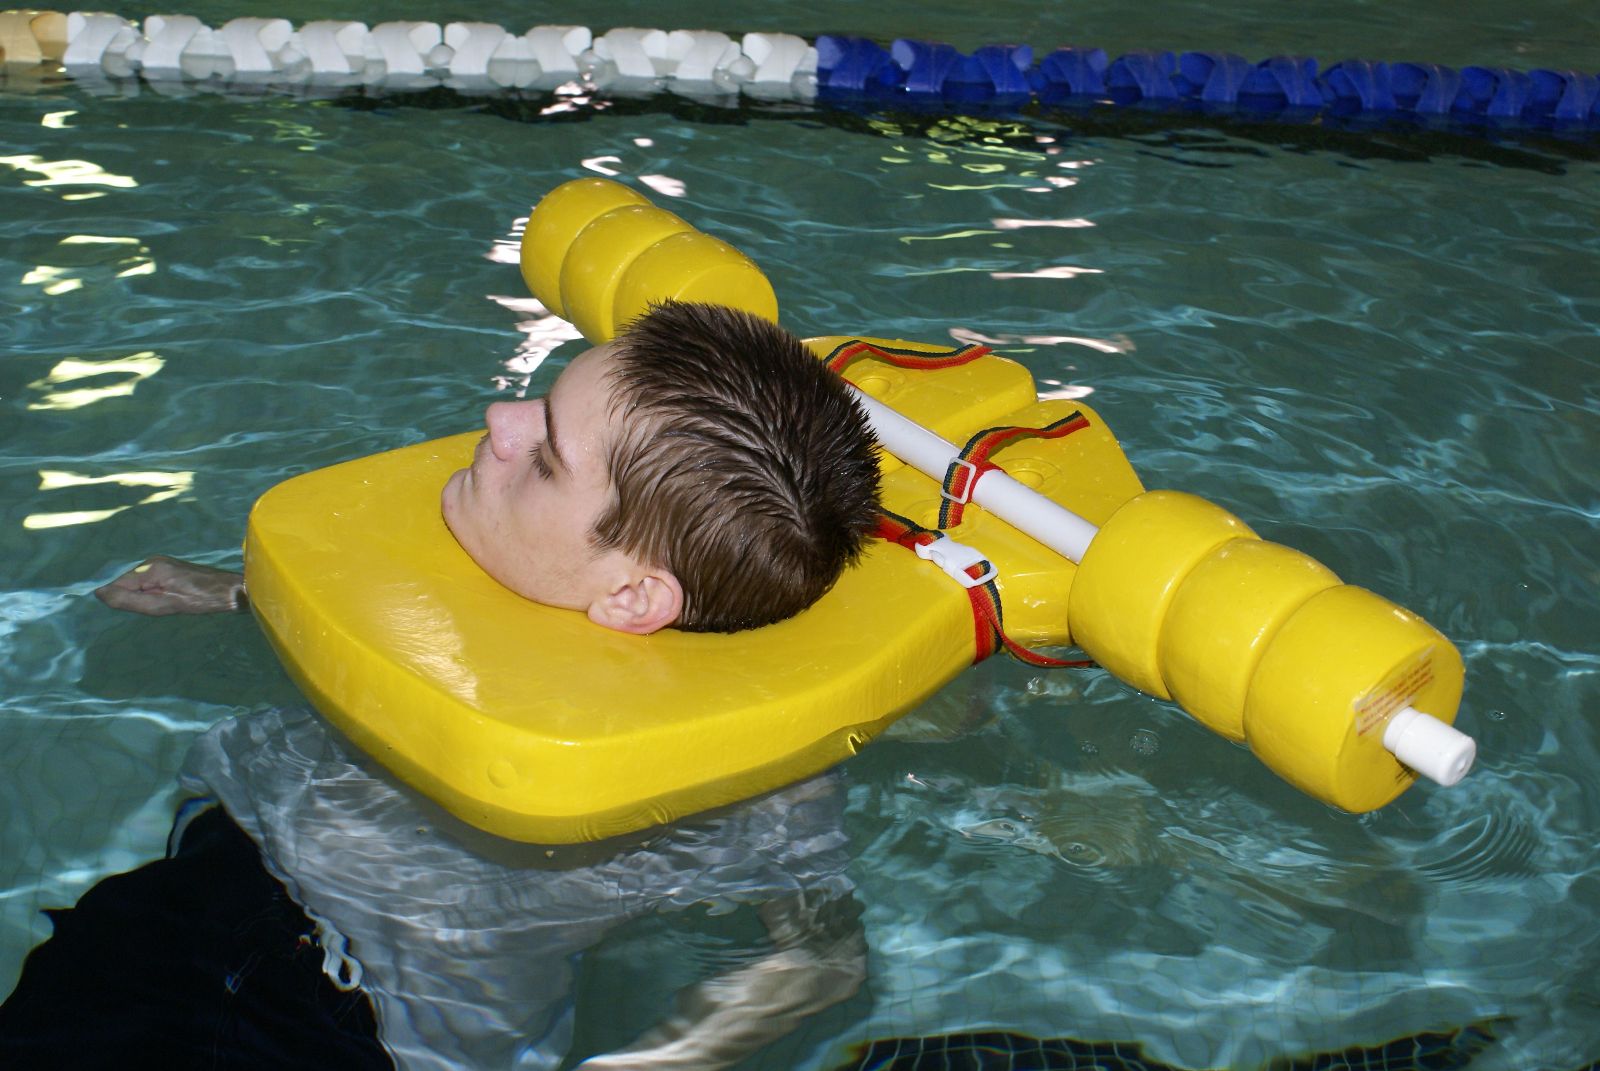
{"x":1387,"y":359}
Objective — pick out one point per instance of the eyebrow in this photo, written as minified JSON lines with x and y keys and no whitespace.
{"x":550,"y":430}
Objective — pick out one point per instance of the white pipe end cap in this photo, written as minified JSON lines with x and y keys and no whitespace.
{"x":1436,"y":750}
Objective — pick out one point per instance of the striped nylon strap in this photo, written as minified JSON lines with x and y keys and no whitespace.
{"x":962,"y":476}
{"x":988,"y":617}
{"x":921,"y":360}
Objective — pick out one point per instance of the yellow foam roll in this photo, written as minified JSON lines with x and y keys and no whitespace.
{"x":600,"y":256}
{"x":693,"y":266}
{"x":1132,"y":570}
{"x":1221,"y":620}
{"x":1329,"y":682}
{"x":553,"y":224}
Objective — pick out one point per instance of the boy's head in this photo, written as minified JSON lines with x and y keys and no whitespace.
{"x":703,"y":470}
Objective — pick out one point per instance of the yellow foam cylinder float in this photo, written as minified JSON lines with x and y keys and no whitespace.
{"x":1220,"y":619}
{"x":597,"y":253}
{"x":1342,"y":669}
{"x":1261,"y":644}
{"x":600,"y":257}
{"x":554,"y":224}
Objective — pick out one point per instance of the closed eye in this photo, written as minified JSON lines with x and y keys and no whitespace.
{"x":540,"y":465}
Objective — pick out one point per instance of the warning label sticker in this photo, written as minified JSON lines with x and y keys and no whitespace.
{"x":1376,"y":707}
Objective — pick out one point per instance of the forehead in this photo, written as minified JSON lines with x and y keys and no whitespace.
{"x":588,"y":378}
{"x":579,"y":406}
{"x":585,"y":372}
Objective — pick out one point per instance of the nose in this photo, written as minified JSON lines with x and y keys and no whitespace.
{"x":514,"y":427}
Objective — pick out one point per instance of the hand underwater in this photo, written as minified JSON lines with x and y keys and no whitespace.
{"x":818,"y":959}
{"x":158,"y":586}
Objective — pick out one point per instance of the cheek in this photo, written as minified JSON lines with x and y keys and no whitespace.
{"x":472,"y":514}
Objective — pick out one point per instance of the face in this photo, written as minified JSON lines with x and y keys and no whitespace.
{"x":538,"y":481}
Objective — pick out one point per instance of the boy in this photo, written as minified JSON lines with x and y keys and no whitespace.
{"x":702,"y":472}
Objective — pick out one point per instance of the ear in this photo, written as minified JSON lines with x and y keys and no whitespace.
{"x":642,"y":603}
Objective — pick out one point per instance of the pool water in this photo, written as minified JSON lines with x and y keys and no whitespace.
{"x":1379,"y":348}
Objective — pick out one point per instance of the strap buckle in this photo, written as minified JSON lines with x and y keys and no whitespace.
{"x":955,"y":559}
{"x":972,"y":480}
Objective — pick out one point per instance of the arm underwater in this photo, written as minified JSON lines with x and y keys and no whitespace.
{"x":535,"y":724}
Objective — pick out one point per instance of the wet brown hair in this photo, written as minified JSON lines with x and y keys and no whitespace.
{"x":745,"y":467}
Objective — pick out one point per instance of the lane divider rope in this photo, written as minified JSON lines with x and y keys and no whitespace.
{"x":481,"y":57}
{"x":397,"y":55}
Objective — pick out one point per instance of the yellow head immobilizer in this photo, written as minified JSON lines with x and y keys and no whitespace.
{"x":535,"y":724}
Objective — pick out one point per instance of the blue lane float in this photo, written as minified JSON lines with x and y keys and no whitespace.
{"x":922,"y":71}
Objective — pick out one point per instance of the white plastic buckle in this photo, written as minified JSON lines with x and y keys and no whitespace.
{"x":955,"y":559}
{"x":972,"y":481}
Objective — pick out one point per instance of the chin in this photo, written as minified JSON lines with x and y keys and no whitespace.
{"x":449,"y":501}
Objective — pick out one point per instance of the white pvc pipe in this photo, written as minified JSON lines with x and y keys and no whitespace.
{"x":1429,"y":746}
{"x":1020,"y":506}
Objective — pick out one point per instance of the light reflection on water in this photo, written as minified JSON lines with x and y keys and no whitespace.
{"x":127,"y":373}
{"x":1386,"y":365}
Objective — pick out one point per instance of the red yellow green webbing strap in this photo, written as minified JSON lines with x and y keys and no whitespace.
{"x":988,"y":617}
{"x":962,"y":476}
{"x":922,"y":360}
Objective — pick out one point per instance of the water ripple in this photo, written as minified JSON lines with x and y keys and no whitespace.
{"x":1492,"y":848}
